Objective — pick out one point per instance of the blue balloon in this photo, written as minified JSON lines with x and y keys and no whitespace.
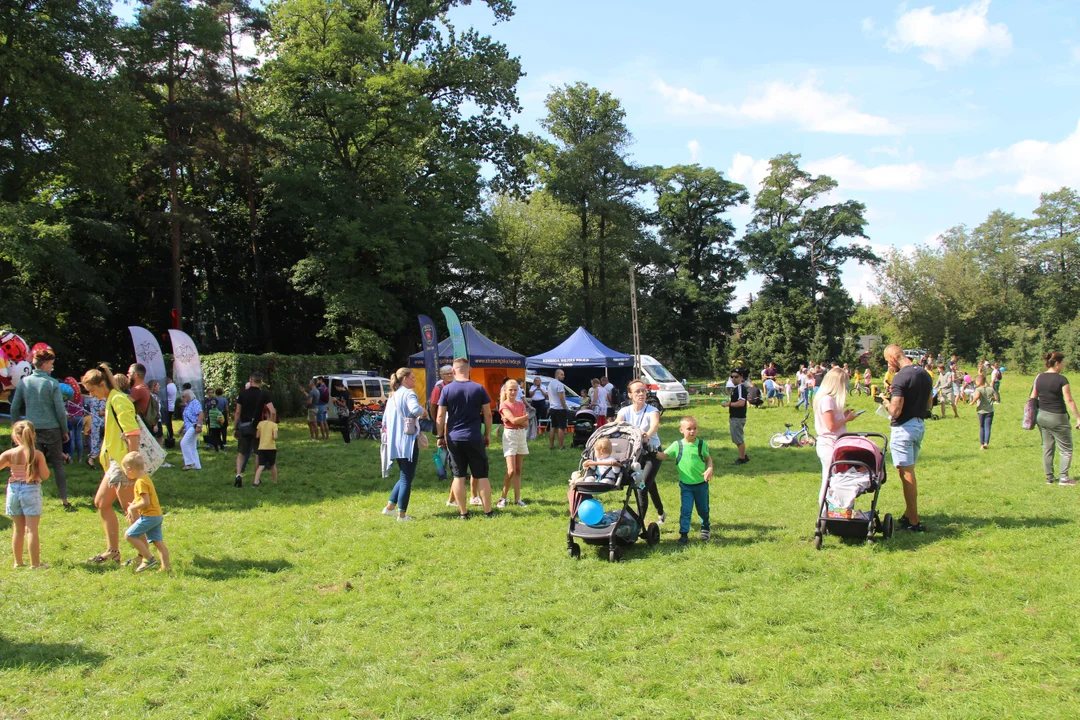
{"x":590,"y":511}
{"x":66,"y":391}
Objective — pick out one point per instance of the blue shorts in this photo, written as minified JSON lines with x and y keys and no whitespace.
{"x":148,"y":526}
{"x":23,"y":499}
{"x":905,"y":442}
{"x":320,"y":413}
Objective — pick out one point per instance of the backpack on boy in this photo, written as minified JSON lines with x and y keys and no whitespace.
{"x":700,"y":453}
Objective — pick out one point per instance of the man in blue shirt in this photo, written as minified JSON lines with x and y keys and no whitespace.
{"x":462,"y":405}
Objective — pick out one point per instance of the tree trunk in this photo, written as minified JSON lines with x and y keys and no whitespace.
{"x":173,"y":136}
{"x":249,"y":186}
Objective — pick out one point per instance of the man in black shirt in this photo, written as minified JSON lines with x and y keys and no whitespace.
{"x":736,"y":405}
{"x":250,"y":405}
{"x":908,"y":405}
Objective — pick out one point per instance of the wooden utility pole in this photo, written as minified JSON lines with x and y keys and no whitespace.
{"x":634,"y":324}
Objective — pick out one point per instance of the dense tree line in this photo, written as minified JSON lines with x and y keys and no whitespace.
{"x":365,"y":168}
{"x":1007,"y":288}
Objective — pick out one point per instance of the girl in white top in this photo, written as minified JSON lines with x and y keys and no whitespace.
{"x":830,"y":419}
{"x":647,"y":419}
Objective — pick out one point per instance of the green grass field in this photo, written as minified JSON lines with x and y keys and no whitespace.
{"x":302,"y":601}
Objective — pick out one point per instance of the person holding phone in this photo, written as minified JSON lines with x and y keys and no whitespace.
{"x":830,"y":420}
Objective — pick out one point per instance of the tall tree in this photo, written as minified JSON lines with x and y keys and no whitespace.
{"x":698,"y":266}
{"x":586,"y":167}
{"x":173,"y":55}
{"x":384,"y":114}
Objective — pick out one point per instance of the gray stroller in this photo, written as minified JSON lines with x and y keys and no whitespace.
{"x":621,"y":527}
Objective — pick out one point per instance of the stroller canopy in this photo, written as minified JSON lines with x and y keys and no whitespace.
{"x":859,"y":449}
{"x":626,"y":441}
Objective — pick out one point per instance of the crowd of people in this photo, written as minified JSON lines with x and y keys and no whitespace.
{"x":118,"y":409}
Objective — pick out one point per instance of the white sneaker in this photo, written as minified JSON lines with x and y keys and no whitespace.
{"x":166,"y":464}
{"x":405,"y":518}
{"x":521,"y":503}
{"x":476,"y":501}
{"x":388,"y":511}
{"x":660,"y":519}
{"x":451,"y":503}
{"x":501,"y":503}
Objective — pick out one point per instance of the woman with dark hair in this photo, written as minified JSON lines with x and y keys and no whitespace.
{"x":646,"y":418}
{"x":1051,"y":388}
{"x":121,"y":436}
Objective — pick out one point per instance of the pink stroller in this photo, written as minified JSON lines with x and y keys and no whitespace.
{"x":857,"y":468}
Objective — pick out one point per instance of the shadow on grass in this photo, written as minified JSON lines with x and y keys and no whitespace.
{"x":5,"y":523}
{"x":723,"y":535}
{"x":15,"y":655}
{"x":227,"y":568}
{"x":946,"y":527}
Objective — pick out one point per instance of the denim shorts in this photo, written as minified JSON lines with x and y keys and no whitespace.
{"x":148,"y":526}
{"x":320,"y":413}
{"x":23,"y":498}
{"x":905,"y":442}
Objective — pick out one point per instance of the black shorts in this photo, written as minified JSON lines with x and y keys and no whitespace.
{"x":558,"y":419}
{"x":267,"y":458}
{"x":466,"y":456}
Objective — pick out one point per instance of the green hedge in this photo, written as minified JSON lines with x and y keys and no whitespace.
{"x":286,"y":377}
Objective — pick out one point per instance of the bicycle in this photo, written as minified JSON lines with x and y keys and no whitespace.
{"x":365,"y":424}
{"x":799,"y":438}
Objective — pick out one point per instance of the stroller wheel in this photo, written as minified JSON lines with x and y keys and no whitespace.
{"x":821,"y":526}
{"x":652,"y":534}
{"x":614,"y":555}
{"x":887,"y":526}
{"x":817,"y":541}
{"x":575,"y":551}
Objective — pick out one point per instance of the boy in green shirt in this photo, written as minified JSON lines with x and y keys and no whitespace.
{"x":695,"y":469}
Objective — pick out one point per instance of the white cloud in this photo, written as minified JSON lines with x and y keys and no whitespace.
{"x":1038,"y":166}
{"x":744,"y":169}
{"x":853,"y":176}
{"x":868,"y":25}
{"x":805,"y":104}
{"x":950,"y":37}
{"x":695,"y":150}
{"x":1076,"y":54}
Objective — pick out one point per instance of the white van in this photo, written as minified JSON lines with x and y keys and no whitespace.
{"x":669,"y":391}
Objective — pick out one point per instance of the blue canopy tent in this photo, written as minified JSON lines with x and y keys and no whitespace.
{"x":490,"y":362}
{"x":583,"y":357}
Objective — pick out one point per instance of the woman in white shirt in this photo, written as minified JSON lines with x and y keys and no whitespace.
{"x":830,"y":420}
{"x":598,"y":398}
{"x":538,"y":398}
{"x":647,"y":419}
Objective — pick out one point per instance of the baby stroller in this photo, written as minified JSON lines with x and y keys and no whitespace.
{"x":619,"y":527}
{"x":584,"y":426}
{"x":857,"y":468}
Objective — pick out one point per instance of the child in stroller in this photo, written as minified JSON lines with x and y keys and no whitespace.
{"x":615,"y":467}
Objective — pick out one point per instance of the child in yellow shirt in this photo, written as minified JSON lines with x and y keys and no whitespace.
{"x":266,"y":434}
{"x":144,"y":514}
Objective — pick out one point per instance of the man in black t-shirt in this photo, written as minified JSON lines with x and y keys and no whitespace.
{"x":250,"y":406}
{"x":736,"y":405}
{"x":908,"y":405}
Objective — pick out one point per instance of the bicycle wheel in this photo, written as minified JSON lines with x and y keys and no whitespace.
{"x":778,"y":440}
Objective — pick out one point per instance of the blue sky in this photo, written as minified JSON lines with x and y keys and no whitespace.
{"x":931,"y":115}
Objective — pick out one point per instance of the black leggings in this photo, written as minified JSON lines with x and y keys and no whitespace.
{"x":649,"y":469}
{"x":345,"y":426}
